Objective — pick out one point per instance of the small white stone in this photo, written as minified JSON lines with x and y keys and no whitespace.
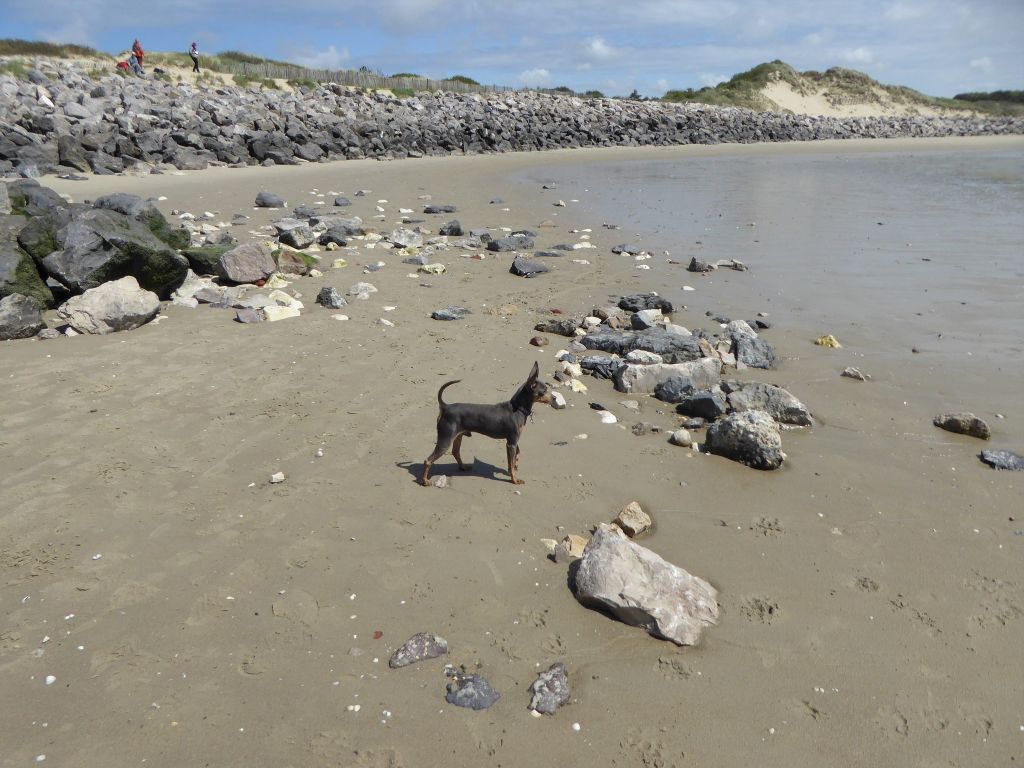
{"x":277,"y":477}
{"x":576,"y":726}
{"x":607,"y":417}
{"x":97,"y":556}
{"x":50,"y":679}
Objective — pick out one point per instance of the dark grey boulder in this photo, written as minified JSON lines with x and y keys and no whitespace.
{"x":330,"y":298}
{"x":566,"y":327}
{"x":439,"y":209}
{"x":696,"y":265}
{"x":20,"y":317}
{"x":963,"y":424}
{"x":674,"y":390}
{"x":550,"y":690}
{"x":754,"y":352}
{"x":450,"y":313}
{"x":420,"y":647}
{"x":673,"y":347}
{"x":525,"y":267}
{"x":269,"y":200}
{"x":471,"y":691}
{"x":751,"y":438}
{"x":5,"y":200}
{"x":248,"y":316}
{"x":511,"y":243}
{"x":28,"y":197}
{"x":71,"y":154}
{"x":305,"y":212}
{"x":600,"y":367}
{"x":705,"y":405}
{"x":298,"y":237}
{"x":1003,"y":460}
{"x":101,"y":245}
{"x":146,"y":213}
{"x":452,"y":229}
{"x":342,"y":202}
{"x":775,"y":401}
{"x":637,"y":301}
{"x":203,"y":261}
{"x":627,"y":248}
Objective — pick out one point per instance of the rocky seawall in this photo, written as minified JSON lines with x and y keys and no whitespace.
{"x":61,"y":119}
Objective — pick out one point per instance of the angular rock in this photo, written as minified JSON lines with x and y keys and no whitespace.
{"x":751,"y":438}
{"x":342,"y":202}
{"x":673,"y":347}
{"x":269,"y":200}
{"x":633,"y":520}
{"x":643,"y":357}
{"x":406,"y":238}
{"x":707,"y":405}
{"x":640,"y":301}
{"x":963,"y":424}
{"x":511,"y":243}
{"x":298,"y":237}
{"x":776,"y":401}
{"x":452,"y":229}
{"x":1003,"y":460}
{"x":5,"y":200}
{"x":248,"y":315}
{"x":644,"y":379}
{"x":601,"y":367}
{"x":526,"y":267}
{"x":643,"y":319}
{"x":550,"y":690}
{"x":120,"y":305}
{"x":642,"y":589}
{"x":246,"y":263}
{"x":854,"y":373}
{"x":419,"y":647}
{"x":471,"y":691}
{"x":439,"y":209}
{"x":20,"y":317}
{"x":565,"y":327}
{"x":450,"y":313}
{"x":330,"y":298}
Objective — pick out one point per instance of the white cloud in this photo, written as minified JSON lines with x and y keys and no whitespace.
{"x":329,"y":58}
{"x":599,"y":49}
{"x":537,"y":76}
{"x":708,"y":79}
{"x":818,"y":38}
{"x":859,"y":55}
{"x":662,"y":85}
{"x":904,"y":12}
{"x":984,"y":64}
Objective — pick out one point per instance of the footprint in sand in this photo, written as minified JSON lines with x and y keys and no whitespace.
{"x":768,"y":526}
{"x":762,"y":609}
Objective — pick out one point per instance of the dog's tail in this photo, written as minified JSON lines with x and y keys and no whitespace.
{"x":441,"y":402}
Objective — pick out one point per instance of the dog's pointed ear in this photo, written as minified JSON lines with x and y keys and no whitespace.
{"x":534,"y":372}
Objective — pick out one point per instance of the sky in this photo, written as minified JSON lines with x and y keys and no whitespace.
{"x":939,"y":47}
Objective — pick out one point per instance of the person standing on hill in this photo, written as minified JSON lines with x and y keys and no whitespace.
{"x":137,"y":51}
{"x":194,"y":53}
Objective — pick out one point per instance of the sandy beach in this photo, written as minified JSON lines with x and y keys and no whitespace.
{"x":193,"y":613}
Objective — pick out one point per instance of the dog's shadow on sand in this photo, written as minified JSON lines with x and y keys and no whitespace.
{"x":477,"y":468}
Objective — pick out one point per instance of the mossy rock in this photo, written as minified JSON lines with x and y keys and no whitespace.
{"x":143,"y":211}
{"x":203,"y":261}
{"x":19,"y":274}
{"x":39,"y":236}
{"x":29,"y":198}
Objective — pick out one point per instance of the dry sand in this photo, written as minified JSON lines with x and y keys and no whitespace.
{"x":821,"y":102}
{"x":194,"y":614}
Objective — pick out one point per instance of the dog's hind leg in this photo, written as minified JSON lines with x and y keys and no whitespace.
{"x":457,"y":450}
{"x":445,"y":436}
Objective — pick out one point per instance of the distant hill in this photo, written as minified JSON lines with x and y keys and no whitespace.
{"x":776,"y":86}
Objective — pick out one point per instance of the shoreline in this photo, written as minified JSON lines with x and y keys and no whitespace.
{"x":871,"y":587}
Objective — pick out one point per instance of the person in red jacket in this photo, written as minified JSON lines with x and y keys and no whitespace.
{"x":137,"y":50}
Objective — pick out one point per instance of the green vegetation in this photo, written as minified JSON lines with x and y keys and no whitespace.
{"x":303,"y":83}
{"x":743,"y":90}
{"x":403,"y":93}
{"x":1008,"y":103}
{"x":14,"y":47}
{"x":397,"y":75}
{"x":243,"y":81}
{"x":463,"y":79}
{"x":1014,"y":97}
{"x":594,"y":95}
{"x":15,"y":68}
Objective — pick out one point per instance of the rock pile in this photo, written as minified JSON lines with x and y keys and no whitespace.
{"x":63,"y":118}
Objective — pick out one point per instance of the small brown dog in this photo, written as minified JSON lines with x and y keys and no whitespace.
{"x":502,"y":421}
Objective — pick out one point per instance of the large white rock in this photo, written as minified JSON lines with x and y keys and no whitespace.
{"x":642,"y":379}
{"x":119,"y":305}
{"x":642,"y":589}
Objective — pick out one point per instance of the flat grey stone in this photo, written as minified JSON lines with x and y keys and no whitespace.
{"x":419,"y":647}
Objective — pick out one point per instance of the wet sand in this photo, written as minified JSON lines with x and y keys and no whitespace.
{"x":872,"y":589}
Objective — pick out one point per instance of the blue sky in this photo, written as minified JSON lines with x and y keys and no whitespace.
{"x":940,"y":47}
